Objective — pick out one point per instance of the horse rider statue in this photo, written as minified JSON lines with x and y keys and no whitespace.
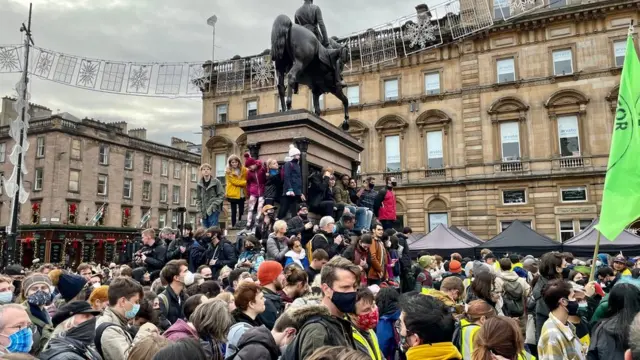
{"x":309,"y":16}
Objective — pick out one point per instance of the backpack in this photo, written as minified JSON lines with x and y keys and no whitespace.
{"x":235,"y":333}
{"x":292,"y":350}
{"x":100,"y":331}
{"x":165,"y":301}
{"x":412,"y":279}
{"x":457,"y":334}
{"x":513,"y":298}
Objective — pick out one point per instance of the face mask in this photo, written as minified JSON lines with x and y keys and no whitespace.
{"x":303,"y":216}
{"x":572,"y":308}
{"x":295,"y":161}
{"x":335,"y":229}
{"x":206,"y":239}
{"x":273,"y":172}
{"x":394,"y":184}
{"x":367,"y":321}
{"x":271,"y":214}
{"x":565,"y":273}
{"x":387,"y":244}
{"x":21,"y":341}
{"x":133,"y":312}
{"x":345,"y":302}
{"x":371,"y":186}
{"x":96,"y":285}
{"x":188,"y":278}
{"x":40,"y":298}
{"x":84,"y":332}
{"x":6,"y":297}
{"x":582,"y":282}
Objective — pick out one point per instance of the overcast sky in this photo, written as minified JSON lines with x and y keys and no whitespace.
{"x":161,"y":30}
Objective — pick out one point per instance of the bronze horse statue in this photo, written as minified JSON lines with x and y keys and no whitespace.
{"x":298,"y":52}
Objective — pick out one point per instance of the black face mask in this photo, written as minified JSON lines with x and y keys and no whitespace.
{"x":582,"y":282}
{"x":394,"y":184}
{"x":371,"y":186}
{"x":294,"y":161}
{"x":610,"y":284}
{"x":565,"y":273}
{"x":206,"y":239}
{"x":225,"y":283}
{"x":271,"y":215}
{"x":84,"y":332}
{"x":303,"y":216}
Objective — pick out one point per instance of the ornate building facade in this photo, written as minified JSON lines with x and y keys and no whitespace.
{"x":513,"y":122}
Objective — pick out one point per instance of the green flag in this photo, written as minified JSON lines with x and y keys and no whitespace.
{"x":621,"y":196}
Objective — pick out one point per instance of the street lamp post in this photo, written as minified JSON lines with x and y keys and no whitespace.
{"x":212,"y":22}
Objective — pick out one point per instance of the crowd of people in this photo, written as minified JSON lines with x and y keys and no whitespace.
{"x":290,"y":289}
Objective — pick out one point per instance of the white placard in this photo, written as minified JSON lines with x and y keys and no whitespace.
{"x":506,"y":66}
{"x":620,"y":48}
{"x":437,"y":219}
{"x":353,"y":93}
{"x":432,"y":81}
{"x":392,"y":149}
{"x":391,"y":88}
{"x":434,"y":145}
{"x":561,"y":55}
{"x":567,"y":126}
{"x":509,"y":132}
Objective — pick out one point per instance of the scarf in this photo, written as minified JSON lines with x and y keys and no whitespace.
{"x":438,"y":351}
{"x":297,"y":258}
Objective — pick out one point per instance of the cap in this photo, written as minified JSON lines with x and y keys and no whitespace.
{"x":73,"y":308}
{"x":266,"y":208}
{"x":620,"y":258}
{"x":14,"y":270}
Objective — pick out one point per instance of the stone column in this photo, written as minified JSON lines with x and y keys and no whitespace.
{"x":303,"y":145}
{"x":354,"y":168}
{"x":254,"y":150}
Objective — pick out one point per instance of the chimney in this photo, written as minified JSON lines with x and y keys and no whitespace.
{"x":140,"y":133}
{"x":120,"y":125}
{"x":179,"y":143}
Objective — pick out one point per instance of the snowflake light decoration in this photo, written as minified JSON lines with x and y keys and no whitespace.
{"x":262,"y":73}
{"x":44,"y":64}
{"x":88,"y":73}
{"x":139,"y":79}
{"x":421,"y":33}
{"x":520,"y":6}
{"x":9,"y":59}
{"x":197,"y":77}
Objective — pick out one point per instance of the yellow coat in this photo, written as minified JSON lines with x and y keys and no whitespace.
{"x":236,"y":184}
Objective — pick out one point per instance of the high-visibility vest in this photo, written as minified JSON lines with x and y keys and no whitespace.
{"x":373,"y":348}
{"x":469,"y":331}
{"x":526,"y":356}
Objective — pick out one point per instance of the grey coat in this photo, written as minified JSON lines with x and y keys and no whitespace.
{"x":209,"y":200}
{"x":275,"y":248}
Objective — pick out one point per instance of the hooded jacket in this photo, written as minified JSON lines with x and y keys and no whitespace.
{"x":236,"y":182}
{"x":273,"y":307}
{"x":180,"y":330}
{"x":258,"y":344}
{"x":604,"y":344}
{"x":256,"y":180}
{"x":341,"y":194}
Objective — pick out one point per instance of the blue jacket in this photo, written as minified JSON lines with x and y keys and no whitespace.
{"x":304,"y":261}
{"x":194,"y":261}
{"x":387,"y":336}
{"x":292,"y":178}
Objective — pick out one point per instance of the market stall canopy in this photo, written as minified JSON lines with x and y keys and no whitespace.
{"x":520,"y":238}
{"x":582,"y":245}
{"x":442,"y":241}
{"x":466,"y":234}
{"x":415,"y":237}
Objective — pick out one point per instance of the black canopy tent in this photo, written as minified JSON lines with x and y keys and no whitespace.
{"x":582,"y":245}
{"x":521,"y":239}
{"x":466,"y":234}
{"x":442,"y":241}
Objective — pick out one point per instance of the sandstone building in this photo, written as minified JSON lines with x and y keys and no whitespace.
{"x":513,"y":122}
{"x":75,"y":166}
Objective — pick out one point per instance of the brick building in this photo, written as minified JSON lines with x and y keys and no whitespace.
{"x":513,"y":122}
{"x":76,"y":166}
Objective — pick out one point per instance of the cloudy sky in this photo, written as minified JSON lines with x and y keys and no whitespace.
{"x":157,"y":31}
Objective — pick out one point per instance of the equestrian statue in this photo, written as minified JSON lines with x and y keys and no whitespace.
{"x":309,"y":56}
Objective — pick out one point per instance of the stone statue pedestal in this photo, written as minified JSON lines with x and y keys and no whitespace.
{"x":320,"y":142}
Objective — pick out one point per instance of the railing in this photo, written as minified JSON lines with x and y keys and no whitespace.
{"x":395,"y":174}
{"x":571,"y":162}
{"x":435,"y":173}
{"x":512,"y":166}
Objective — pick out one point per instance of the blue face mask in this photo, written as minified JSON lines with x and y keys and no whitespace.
{"x":273,"y":172}
{"x":6,"y":297}
{"x":21,"y":341}
{"x":133,"y":312}
{"x":335,"y":229}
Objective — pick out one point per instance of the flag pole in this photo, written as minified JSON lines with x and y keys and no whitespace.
{"x":592,"y":274}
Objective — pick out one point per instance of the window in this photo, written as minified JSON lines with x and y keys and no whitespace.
{"x":147,"y":164}
{"x":510,"y":140}
{"x":3,"y":152}
{"x":566,"y":230}
{"x":436,"y":219}
{"x":127,"y":189}
{"x":353,"y":94}
{"x":574,"y":194}
{"x":506,"y":69}
{"x":164,"y":168}
{"x":501,"y":9}
{"x":40,"y":147}
{"x":74,"y":181}
{"x":176,"y":194}
{"x":391,"y":89}
{"x":174,"y":220}
{"x":392,"y":152}
{"x":164,"y":193}
{"x":562,"y":62}
{"x":103,"y":184}
{"x":162,"y":219}
{"x":435,"y":158}
{"x":221,"y":113}
{"x":220,"y":166}
{"x":103,"y":154}
{"x":128,"y":160}
{"x":569,"y":136}
{"x":194,"y":174}
{"x":76,"y":149}
{"x":194,"y":197}
{"x":39,"y":178}
{"x":619,"y":50}
{"x":252,"y":108}
{"x":146,"y":191}
{"x":432,"y":83}
{"x":557,"y":3}
{"x":144,"y":212}
{"x":585,"y":224}
{"x":192,"y":220}
{"x":177,"y":170}
{"x":505,"y":224}
{"x":514,"y":197}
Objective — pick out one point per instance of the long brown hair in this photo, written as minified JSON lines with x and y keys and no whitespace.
{"x":479,"y":308}
{"x":499,"y":335}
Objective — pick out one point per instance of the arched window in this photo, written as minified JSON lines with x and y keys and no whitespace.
{"x":434,"y":128}
{"x":437,"y":213}
{"x":567,"y":112}
{"x":241,"y":145}
{"x":219,"y":147}
{"x":510,"y":134}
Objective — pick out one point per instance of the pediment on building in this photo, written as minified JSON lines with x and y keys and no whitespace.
{"x":391,"y":122}
{"x":433,"y":117}
{"x":219,"y":142}
{"x":506,"y":105}
{"x":566,"y":97}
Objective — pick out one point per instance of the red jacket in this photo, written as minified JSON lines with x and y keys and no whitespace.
{"x":388,"y":209}
{"x":256,"y":181}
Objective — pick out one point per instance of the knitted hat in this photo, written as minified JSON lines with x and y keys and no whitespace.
{"x":268,"y":272}
{"x":70,"y":285}
{"x":34,"y":279}
{"x":293,"y":151}
{"x":425,"y":261}
{"x":14,"y":270}
{"x":100,"y":293}
{"x":455,"y":266}
{"x":248,"y":160}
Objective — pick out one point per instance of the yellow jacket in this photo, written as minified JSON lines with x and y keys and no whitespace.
{"x":236,"y":184}
{"x":373,"y":349}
